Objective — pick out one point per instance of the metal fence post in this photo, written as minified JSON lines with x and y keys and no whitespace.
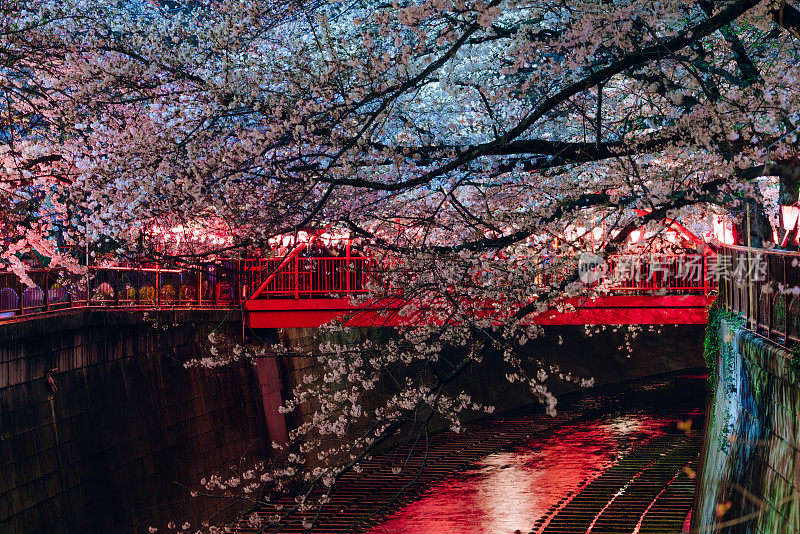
{"x":20,"y":303}
{"x":785,"y":298}
{"x":116,"y":288}
{"x":46,"y":289}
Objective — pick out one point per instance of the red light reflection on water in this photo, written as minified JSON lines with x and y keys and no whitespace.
{"x":508,"y":491}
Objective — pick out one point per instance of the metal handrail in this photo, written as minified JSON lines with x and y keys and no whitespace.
{"x":211,"y":285}
{"x":763,"y":288}
{"x":675,"y":273}
{"x":228,"y":283}
{"x":310,"y":276}
{"x":200,"y":286}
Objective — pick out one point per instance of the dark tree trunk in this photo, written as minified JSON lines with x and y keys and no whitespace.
{"x":761,"y":234}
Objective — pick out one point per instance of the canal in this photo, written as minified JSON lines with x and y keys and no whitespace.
{"x":614,"y":459}
{"x":604,"y":472}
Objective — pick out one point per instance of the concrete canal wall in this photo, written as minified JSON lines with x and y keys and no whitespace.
{"x":750,"y":460}
{"x":102,"y":428}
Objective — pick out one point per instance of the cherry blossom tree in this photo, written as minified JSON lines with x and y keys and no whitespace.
{"x":30,"y":145}
{"x":276,"y":116}
{"x":460,"y":138}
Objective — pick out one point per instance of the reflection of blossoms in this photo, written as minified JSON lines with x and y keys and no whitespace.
{"x":253,"y":520}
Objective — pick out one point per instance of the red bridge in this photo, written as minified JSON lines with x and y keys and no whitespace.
{"x":306,"y":291}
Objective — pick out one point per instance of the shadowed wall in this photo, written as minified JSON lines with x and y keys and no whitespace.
{"x":664,"y":349}
{"x":108,"y":445}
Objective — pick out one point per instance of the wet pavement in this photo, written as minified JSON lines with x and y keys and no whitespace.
{"x":613,"y":460}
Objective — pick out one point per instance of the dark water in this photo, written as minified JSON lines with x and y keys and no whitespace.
{"x":508,"y":491}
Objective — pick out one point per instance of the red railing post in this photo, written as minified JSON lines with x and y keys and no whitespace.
{"x":238,"y":289}
{"x":347,"y":268}
{"x":241,"y":280}
{"x":200,"y":285}
{"x":215,"y":286}
{"x":297,"y":277}
{"x":158,"y":286}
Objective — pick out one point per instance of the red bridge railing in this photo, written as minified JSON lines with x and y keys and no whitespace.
{"x":228,"y":283}
{"x":671,"y":274}
{"x":309,"y":276}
